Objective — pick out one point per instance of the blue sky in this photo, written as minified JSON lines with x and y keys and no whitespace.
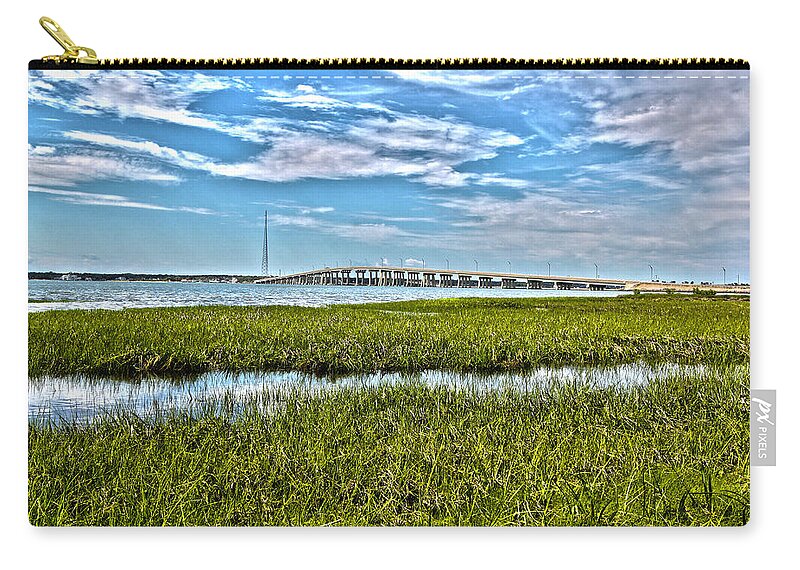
{"x":171,"y":171}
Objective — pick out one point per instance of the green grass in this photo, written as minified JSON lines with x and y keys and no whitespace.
{"x":673,"y":452}
{"x":454,"y":334}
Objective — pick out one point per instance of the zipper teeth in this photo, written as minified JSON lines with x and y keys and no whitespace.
{"x":373,"y":63}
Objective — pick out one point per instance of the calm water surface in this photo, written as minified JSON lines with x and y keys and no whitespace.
{"x":134,"y":294}
{"x":82,"y":398}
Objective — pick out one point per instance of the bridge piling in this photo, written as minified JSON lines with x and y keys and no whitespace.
{"x":405,"y":277}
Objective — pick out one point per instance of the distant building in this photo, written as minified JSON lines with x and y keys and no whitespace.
{"x":70,"y":277}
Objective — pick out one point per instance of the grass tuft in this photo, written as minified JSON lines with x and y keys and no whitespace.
{"x":671,"y":452}
{"x":451,"y":334}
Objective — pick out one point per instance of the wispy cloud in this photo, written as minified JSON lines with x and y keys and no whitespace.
{"x":179,"y":158}
{"x":41,"y":150}
{"x":674,"y":119}
{"x":113,"y":200}
{"x":379,"y":142}
{"x":307,"y":97}
{"x":395,"y":219}
{"x":159,"y":96}
{"x":567,"y":226}
{"x":47,"y":166}
{"x":698,"y":135}
{"x":423,"y":148}
{"x":142,"y":94}
{"x":497,"y":84}
{"x":377,"y":232}
{"x":643,"y":171}
{"x":311,"y":156}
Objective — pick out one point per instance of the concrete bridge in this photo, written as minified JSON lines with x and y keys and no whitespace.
{"x":383,"y":276}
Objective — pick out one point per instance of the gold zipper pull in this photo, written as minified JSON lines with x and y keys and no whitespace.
{"x":72,"y":52}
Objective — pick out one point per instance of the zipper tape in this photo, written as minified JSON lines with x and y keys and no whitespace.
{"x":79,"y":57}
{"x":389,"y":63}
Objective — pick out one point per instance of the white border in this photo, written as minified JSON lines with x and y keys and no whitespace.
{"x":423,"y":29}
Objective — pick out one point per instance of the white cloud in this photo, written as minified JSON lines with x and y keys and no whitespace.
{"x":303,"y":210}
{"x":300,"y":221}
{"x":423,"y":148}
{"x":500,"y":180}
{"x":141,"y":94}
{"x":691,"y":139}
{"x":425,"y":219}
{"x":179,"y":158}
{"x":702,"y":126}
{"x":305,"y":96}
{"x":503,"y":85}
{"x":445,"y":137}
{"x":40,"y":150}
{"x":369,"y":233}
{"x":113,"y":200}
{"x":447,"y":78}
{"x":320,"y":210}
{"x":445,"y":176}
{"x":699,"y":126}
{"x":361,"y":232}
{"x":641,"y":170}
{"x":569,"y":226}
{"x":145,"y":94}
{"x":581,"y":213}
{"x":312,"y":156}
{"x":71,"y":168}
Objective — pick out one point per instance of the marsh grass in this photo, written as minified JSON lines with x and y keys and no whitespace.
{"x":673,"y":451}
{"x":452,"y":334}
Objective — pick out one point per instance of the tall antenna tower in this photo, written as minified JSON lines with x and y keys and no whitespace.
{"x":265,"y":253}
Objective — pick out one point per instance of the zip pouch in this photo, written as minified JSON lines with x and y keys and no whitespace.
{"x":388,"y":292}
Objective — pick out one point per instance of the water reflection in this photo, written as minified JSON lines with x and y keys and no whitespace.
{"x":81,"y":398}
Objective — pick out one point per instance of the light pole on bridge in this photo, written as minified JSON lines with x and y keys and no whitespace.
{"x":548,"y":269}
{"x":476,"y":264}
{"x":723,"y":276}
{"x":651,"y":271}
{"x":447,"y":261}
{"x":596,"y":272}
{"x":510,"y":270}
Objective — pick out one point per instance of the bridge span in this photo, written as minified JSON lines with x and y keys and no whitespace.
{"x":384,"y":276}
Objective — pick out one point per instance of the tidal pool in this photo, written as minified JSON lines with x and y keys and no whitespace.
{"x":82,"y":398}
